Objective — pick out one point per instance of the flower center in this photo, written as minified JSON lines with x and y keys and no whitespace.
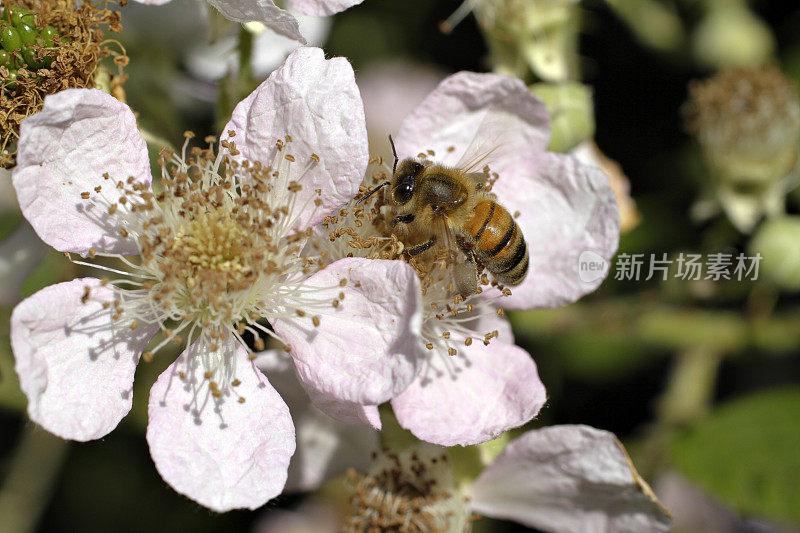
{"x":219,"y":251}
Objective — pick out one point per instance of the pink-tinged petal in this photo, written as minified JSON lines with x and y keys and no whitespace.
{"x":469,"y":113}
{"x":152,"y":2}
{"x":316,"y":102}
{"x":473,"y":396}
{"x":350,"y":413}
{"x":64,"y":150}
{"x":569,"y":217}
{"x":265,"y":11}
{"x":219,"y":452}
{"x":568,"y":478}
{"x":75,"y":363}
{"x":325,"y":448}
{"x":322,"y":7}
{"x":366,"y":350}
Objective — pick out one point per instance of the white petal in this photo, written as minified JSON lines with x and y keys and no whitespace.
{"x":325,"y":447}
{"x":75,"y":363}
{"x":270,"y":50}
{"x":64,"y":150}
{"x":567,"y":479}
{"x":366,"y":350}
{"x":264,"y":11}
{"x":568,"y":214}
{"x":473,"y":396}
{"x":473,"y":112}
{"x":316,"y":102}
{"x":221,"y":453}
{"x":323,"y":7}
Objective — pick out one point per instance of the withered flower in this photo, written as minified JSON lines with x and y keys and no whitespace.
{"x":49,"y":46}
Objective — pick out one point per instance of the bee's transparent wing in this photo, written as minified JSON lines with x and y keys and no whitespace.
{"x":490,"y":137}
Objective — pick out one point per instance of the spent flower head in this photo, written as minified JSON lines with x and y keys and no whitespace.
{"x":201,"y":261}
{"x":747,"y":122}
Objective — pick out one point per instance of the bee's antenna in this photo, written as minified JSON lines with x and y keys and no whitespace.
{"x":394,"y":152}
{"x":373,"y":191}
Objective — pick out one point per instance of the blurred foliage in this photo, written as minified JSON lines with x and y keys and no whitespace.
{"x":746,"y":454}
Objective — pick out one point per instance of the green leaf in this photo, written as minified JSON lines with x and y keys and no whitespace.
{"x":747,"y":454}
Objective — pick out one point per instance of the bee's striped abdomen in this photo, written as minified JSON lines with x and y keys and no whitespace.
{"x":499,"y":243}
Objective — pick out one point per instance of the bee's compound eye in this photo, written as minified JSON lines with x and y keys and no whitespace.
{"x":404,"y":189}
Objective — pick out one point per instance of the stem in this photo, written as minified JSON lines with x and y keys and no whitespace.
{"x":32,"y":473}
{"x":691,"y":387}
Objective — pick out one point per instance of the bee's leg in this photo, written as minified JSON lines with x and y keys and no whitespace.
{"x":419,"y":248}
{"x":405,"y":219}
{"x":465,"y":246}
{"x":465,"y":276}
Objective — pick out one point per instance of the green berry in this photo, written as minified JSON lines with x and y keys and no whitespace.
{"x":11,"y":80}
{"x":47,"y":33}
{"x":26,"y":33}
{"x":16,"y":16}
{"x":29,"y":55}
{"x":10,"y":39}
{"x":29,"y":19}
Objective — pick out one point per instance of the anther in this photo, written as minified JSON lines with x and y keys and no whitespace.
{"x":85,"y":195}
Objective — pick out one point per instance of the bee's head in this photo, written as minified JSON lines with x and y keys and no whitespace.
{"x":404,"y":180}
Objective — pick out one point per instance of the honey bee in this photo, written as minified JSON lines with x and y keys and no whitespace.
{"x":435,"y":208}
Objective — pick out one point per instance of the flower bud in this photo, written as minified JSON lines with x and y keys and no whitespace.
{"x":730,"y":35}
{"x":571,"y":112}
{"x":539,"y":34}
{"x":777,"y":241}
